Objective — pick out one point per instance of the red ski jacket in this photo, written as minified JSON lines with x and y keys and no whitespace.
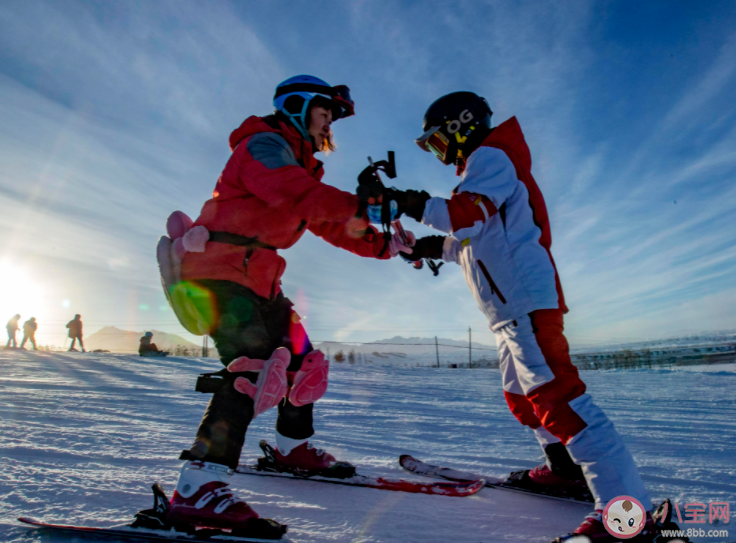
{"x":271,"y":190}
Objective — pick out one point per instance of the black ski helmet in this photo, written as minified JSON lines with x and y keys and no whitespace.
{"x":455,"y":125}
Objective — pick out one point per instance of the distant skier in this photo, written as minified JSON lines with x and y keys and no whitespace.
{"x":75,"y":332}
{"x":12,"y":328}
{"x":500,"y":235}
{"x":269,"y":194}
{"x":29,"y":333}
{"x":146,"y":348}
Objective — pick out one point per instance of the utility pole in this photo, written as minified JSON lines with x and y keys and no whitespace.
{"x":205,"y":347}
{"x":437,"y":348}
{"x":470,"y":347}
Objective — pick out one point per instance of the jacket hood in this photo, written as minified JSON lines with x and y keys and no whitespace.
{"x":252,"y":125}
{"x":302,"y":149}
{"x":509,"y":137}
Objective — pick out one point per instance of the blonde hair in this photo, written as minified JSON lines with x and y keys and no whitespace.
{"x":329,"y":145}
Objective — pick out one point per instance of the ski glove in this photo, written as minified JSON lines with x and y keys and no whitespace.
{"x":428,"y":247}
{"x":369,"y":186}
{"x":397,"y":245}
{"x":411,"y":202}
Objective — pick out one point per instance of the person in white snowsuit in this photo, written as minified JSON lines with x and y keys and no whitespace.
{"x":498,"y":231}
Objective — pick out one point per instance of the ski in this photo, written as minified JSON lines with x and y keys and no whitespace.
{"x":518,"y":481}
{"x":127,"y":531}
{"x":454,"y":489}
{"x":343,"y":473}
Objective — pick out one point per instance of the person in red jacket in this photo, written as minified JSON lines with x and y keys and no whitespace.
{"x":498,"y":231}
{"x":269,"y":194}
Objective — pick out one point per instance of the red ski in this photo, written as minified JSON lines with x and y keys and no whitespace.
{"x":514,"y":482}
{"x":343,"y":473}
{"x":441,"y":488}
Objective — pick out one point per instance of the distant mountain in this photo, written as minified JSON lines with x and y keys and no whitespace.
{"x":412,"y":350}
{"x":117,"y":340}
{"x":430,"y":341}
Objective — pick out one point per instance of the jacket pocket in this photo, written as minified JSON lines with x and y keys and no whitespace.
{"x":494,"y":288}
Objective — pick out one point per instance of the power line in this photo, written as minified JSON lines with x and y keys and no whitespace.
{"x":401,"y":344}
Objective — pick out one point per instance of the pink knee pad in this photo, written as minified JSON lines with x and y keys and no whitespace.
{"x":271,"y":385}
{"x":310,"y":382}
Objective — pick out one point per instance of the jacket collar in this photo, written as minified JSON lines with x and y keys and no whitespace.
{"x":301,"y":148}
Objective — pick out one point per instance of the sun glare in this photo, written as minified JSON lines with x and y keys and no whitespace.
{"x":20,"y":293}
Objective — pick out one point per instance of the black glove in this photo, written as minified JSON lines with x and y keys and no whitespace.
{"x":369,"y":186}
{"x":411,"y":202}
{"x":428,"y":247}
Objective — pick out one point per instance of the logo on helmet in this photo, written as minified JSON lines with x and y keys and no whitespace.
{"x":465,"y":117}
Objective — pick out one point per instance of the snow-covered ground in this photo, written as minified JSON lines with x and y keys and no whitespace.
{"x":85,"y":435}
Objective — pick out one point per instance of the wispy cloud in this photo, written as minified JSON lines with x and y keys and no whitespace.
{"x":114,"y":115}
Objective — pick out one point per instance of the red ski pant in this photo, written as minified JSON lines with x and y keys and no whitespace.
{"x":539,"y":379}
{"x":544,"y":391}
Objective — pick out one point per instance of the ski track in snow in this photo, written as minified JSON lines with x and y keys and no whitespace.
{"x":85,"y":435}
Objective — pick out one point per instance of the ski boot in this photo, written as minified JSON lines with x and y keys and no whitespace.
{"x":204,"y":500}
{"x":592,"y":530}
{"x":304,"y":461}
{"x":559,"y":476}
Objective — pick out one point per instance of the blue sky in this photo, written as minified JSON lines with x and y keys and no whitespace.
{"x":115,"y":114}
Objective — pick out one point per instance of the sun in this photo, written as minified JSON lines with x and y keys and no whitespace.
{"x":20,"y":294}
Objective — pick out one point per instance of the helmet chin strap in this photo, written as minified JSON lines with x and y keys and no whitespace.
{"x":299,"y":121}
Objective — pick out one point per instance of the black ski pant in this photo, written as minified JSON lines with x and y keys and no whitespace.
{"x":32,"y":339}
{"x":246,"y":324}
{"x":80,"y":342}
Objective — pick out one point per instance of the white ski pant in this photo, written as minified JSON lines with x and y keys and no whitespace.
{"x":544,"y":391}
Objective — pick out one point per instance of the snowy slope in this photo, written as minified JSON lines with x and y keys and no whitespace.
{"x":84,"y":436}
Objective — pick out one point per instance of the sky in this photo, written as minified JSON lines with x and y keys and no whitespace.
{"x":115,"y":114}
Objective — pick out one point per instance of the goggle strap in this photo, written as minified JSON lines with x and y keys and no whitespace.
{"x":305,"y":87}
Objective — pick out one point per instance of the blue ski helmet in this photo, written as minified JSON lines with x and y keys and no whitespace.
{"x":293,"y":96}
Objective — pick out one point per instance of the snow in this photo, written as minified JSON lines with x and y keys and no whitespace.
{"x":85,"y":435}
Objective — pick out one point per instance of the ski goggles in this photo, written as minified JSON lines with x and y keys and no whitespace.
{"x":435,"y":142}
{"x":339,"y":95}
{"x":344,"y":101}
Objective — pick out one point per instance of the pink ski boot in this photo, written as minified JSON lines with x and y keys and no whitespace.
{"x":304,"y":460}
{"x":204,"y":499}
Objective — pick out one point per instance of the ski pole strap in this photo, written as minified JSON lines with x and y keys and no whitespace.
{"x":241,"y":241}
{"x":210,"y":383}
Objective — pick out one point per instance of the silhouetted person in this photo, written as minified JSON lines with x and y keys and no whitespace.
{"x":29,"y":333}
{"x":146,"y":346}
{"x":75,"y":332}
{"x":12,"y":327}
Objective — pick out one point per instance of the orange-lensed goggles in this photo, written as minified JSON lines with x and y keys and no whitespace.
{"x":435,"y":142}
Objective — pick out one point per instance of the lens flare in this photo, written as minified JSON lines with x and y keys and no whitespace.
{"x":20,"y":294}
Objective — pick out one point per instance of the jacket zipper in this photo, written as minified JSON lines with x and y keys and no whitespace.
{"x":494,"y":288}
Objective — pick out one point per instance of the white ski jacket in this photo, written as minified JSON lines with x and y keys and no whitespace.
{"x":500,"y":232}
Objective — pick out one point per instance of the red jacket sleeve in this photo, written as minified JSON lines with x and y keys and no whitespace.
{"x":353,"y":235}
{"x":270,"y":172}
{"x":467,"y":208}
